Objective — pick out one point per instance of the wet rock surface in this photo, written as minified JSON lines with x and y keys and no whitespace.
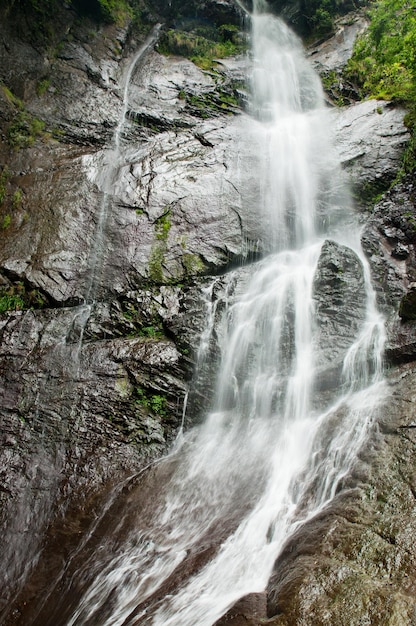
{"x":340,"y":305}
{"x":91,"y":394}
{"x":370,"y":137}
{"x":389,"y":242}
{"x":365,"y":571}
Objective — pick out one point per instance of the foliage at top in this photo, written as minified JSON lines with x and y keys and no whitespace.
{"x":384,"y":60}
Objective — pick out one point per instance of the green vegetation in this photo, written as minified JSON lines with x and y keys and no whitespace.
{"x":192,"y":264}
{"x":149,"y":325}
{"x":156,"y":259}
{"x":11,"y":302}
{"x":17,"y":198}
{"x":24,"y":130}
{"x":43,"y":86}
{"x":162,"y":226}
{"x":204,"y":105}
{"x":6,"y":221}
{"x":153,"y":332}
{"x":203,"y":44}
{"x":114,"y":10}
{"x":157,"y":255}
{"x":154,"y":402}
{"x":17,"y":298}
{"x":384,"y":61}
{"x":315,"y":18}
{"x":4,"y":177}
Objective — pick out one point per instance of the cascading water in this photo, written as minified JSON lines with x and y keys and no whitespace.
{"x":271,"y":453}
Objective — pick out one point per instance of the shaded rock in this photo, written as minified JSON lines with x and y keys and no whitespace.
{"x":407,"y":308}
{"x":340,"y":307}
{"x":83,"y":410}
{"x":218,"y":11}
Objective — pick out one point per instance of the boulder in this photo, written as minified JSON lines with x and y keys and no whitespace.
{"x":340,"y":301}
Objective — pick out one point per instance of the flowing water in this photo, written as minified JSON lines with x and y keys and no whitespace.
{"x":271,"y":452}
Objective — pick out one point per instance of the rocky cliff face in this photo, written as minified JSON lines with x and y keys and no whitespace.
{"x":119,"y":206}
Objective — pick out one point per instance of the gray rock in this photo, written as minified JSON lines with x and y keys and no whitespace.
{"x":389,"y":229}
{"x":340,"y":308}
{"x":370,"y":138}
{"x":333,"y":53}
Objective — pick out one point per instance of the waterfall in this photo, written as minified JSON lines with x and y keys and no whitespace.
{"x":271,"y":453}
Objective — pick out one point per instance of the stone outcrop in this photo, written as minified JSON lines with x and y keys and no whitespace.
{"x":370,"y":137}
{"x":340,"y":307}
{"x":95,"y":374}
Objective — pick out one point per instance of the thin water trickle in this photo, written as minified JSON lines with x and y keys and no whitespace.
{"x":106,"y":176}
{"x":266,"y":459}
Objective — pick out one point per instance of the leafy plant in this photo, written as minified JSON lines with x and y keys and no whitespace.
{"x":114,"y":10}
{"x":384,"y":61}
{"x":154,"y":402}
{"x":24,"y":130}
{"x":384,"y":58}
{"x":17,"y":298}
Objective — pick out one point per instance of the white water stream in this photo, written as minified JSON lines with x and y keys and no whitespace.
{"x":266,"y":459}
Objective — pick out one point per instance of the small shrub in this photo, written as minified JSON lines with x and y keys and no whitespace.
{"x":24,"y":130}
{"x":4,"y":177}
{"x":17,"y":198}
{"x":114,"y":10}
{"x":43,"y":86}
{"x":11,"y":302}
{"x":6,"y":222}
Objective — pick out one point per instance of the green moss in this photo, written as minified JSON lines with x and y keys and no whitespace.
{"x":4,"y":177}
{"x":24,"y":130}
{"x":204,"y":105}
{"x":6,"y":222}
{"x":163,"y":226}
{"x":156,"y":259}
{"x":192,"y":264}
{"x":114,"y":11}
{"x":17,"y":198}
{"x":203,"y":45}
{"x":43,"y":86}
{"x":11,"y":98}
